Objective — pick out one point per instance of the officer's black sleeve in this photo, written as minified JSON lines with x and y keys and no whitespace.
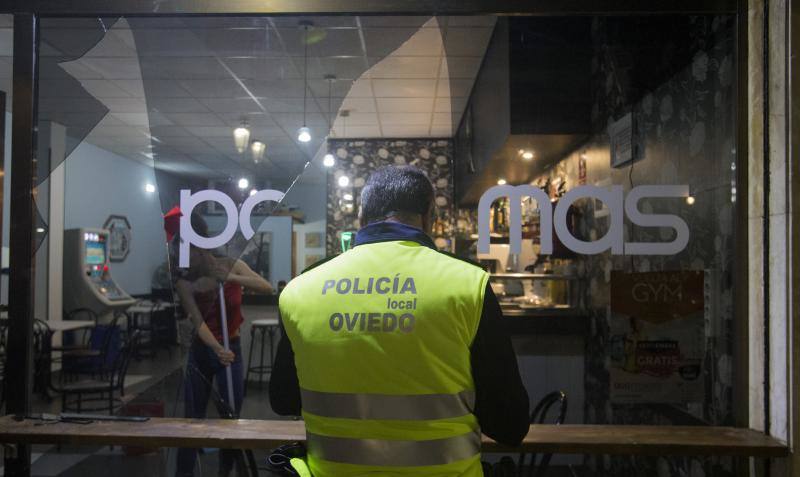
{"x":284,"y":389}
{"x":501,"y":402}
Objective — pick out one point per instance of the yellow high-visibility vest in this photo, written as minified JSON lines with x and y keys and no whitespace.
{"x":381,"y":336}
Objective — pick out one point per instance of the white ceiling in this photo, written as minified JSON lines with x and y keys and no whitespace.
{"x":175,"y":88}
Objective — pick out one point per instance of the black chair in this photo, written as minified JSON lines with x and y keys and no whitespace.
{"x":108,"y":391}
{"x":94,"y":360}
{"x":538,"y":416}
{"x":42,"y":357}
{"x":85,"y":341}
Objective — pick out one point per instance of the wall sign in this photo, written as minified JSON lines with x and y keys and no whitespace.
{"x":620,"y":135}
{"x":235,"y":219}
{"x":119,"y":237}
{"x":619,"y":207}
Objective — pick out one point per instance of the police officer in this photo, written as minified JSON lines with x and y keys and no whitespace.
{"x":394,"y":352}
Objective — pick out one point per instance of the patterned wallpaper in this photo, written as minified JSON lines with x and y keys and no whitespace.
{"x":357,"y":158}
{"x":685,"y":132}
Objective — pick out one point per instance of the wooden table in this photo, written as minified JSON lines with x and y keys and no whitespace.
{"x":69,"y":325}
{"x":258,"y":434}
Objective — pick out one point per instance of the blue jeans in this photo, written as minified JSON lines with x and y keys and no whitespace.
{"x":202,"y":368}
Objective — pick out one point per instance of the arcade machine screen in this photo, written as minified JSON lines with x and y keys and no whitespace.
{"x":95,"y":249}
{"x":95,"y":253}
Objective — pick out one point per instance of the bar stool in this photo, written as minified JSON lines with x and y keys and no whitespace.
{"x":264,"y":327}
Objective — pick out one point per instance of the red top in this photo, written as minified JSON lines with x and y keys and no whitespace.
{"x":208,"y":304}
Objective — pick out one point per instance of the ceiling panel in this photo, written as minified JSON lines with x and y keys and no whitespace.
{"x":155,"y":88}
{"x":195,"y":119}
{"x":231,"y":105}
{"x":211,"y":131}
{"x":382,"y":42}
{"x":405,"y":105}
{"x":257,"y":68}
{"x":362,"y":105}
{"x":288,"y":88}
{"x":104,"y":89}
{"x":399,"y":130}
{"x":175,"y":105}
{"x":405,"y":118}
{"x":406,"y":88}
{"x":345,"y":130}
{"x":202,"y":76}
{"x":212,"y":88}
{"x":406,"y":67}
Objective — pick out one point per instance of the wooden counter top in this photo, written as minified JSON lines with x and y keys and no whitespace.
{"x":258,"y":434}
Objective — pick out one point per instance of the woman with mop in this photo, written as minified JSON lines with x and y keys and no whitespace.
{"x":210,"y":282}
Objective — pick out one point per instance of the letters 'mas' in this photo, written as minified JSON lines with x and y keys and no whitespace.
{"x":613,"y":239}
{"x":235,"y":219}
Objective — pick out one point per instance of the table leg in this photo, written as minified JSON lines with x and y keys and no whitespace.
{"x":261,"y":359}
{"x":249,"y":358}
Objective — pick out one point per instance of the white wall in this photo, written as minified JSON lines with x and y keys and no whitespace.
{"x":312,"y":199}
{"x":100,"y":183}
{"x":301,"y":250}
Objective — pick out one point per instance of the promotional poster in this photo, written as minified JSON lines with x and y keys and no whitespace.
{"x":657,"y":344}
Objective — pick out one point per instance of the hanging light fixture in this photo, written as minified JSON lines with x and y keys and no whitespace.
{"x":257,"y":149}
{"x":329,"y":160}
{"x":241,"y":137}
{"x":304,"y":133}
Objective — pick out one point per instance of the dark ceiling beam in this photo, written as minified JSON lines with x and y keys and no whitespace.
{"x":365,"y":7}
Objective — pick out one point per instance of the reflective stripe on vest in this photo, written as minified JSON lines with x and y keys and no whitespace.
{"x":380,"y":452}
{"x":385,"y":406}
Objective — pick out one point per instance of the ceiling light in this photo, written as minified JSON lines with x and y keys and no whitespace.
{"x":257,"y":149}
{"x":501,"y":182}
{"x":527,"y":155}
{"x":40,"y":230}
{"x":304,"y":134}
{"x":521,"y":151}
{"x":328,"y":160}
{"x":149,"y":188}
{"x":253,"y":191}
{"x":241,"y":137}
{"x":690,"y":200}
{"x":347,"y":197}
{"x":344,"y":181}
{"x":330,"y":79}
{"x":244,"y":183}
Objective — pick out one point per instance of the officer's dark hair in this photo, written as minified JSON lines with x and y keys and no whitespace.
{"x":394,"y":191}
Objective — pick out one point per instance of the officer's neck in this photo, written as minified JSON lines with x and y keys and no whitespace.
{"x":410,"y":220}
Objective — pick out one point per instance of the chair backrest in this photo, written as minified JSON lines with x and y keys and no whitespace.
{"x":41,"y":336}
{"x":538,"y":416}
{"x":123,"y":360}
{"x":542,"y":409}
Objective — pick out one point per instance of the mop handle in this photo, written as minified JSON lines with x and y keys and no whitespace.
{"x":227,"y":345}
